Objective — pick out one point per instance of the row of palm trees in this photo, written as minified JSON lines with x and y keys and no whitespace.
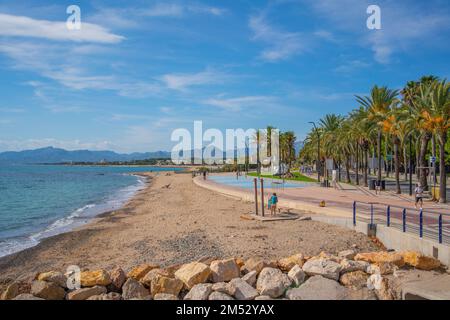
{"x":389,"y":121}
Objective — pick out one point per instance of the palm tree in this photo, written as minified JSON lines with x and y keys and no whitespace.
{"x":378,"y":106}
{"x":287,"y":148}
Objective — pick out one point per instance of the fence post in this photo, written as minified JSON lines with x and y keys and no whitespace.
{"x":354,"y":213}
{"x":421,"y":223}
{"x":371,"y":213}
{"x":255,"y":181}
{"x":388,"y":218}
{"x":404,"y":220}
{"x":440,"y":228}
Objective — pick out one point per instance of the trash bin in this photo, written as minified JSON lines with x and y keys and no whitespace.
{"x":372,"y":184}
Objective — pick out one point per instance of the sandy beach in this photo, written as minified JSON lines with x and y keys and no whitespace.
{"x":173,"y":221}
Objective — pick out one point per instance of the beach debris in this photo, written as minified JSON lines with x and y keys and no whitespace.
{"x":224,"y":270}
{"x":95,"y":278}
{"x":137,"y":273}
{"x":133,"y":289}
{"x":322,"y":267}
{"x":11,"y":292}
{"x":167,"y":186}
{"x":272,"y":282}
{"x":200,"y":291}
{"x":85,"y":293}
{"x":47,"y":290}
{"x":193,"y":273}
{"x":287,"y":264}
{"x":354,"y":280}
{"x":297,"y":275}
{"x":322,"y":204}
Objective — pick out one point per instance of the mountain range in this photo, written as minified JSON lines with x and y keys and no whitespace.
{"x":55,"y":155}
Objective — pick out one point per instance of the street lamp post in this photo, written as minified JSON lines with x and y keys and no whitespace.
{"x":318,"y":150}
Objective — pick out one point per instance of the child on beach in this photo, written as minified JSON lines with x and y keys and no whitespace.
{"x":273,"y":204}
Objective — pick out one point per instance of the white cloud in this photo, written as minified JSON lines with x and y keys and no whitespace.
{"x":21,"y":26}
{"x":183,"y":81}
{"x":179,"y":10}
{"x":238,"y":103}
{"x":280,"y":44}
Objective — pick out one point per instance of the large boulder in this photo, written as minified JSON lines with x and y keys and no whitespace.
{"x":224,"y":270}
{"x":256,"y":264}
{"x":354,"y":280}
{"x":95,"y":278}
{"x":322,"y":267}
{"x":382,"y":268}
{"x":26,"y":296}
{"x":318,"y":288}
{"x":85,"y":293}
{"x":200,"y":291}
{"x":286,"y":264}
{"x":272,"y":282}
{"x":222,"y":287}
{"x":241,"y":290}
{"x":118,"y":278}
{"x":55,"y":277}
{"x":193,"y":273}
{"x":11,"y":291}
{"x":133,"y":289}
{"x":148,"y":278}
{"x":297,"y":275}
{"x":419,"y":261}
{"x":137,"y":273}
{"x":351,"y":266}
{"x":219,"y":296}
{"x":47,"y":290}
{"x":381,"y":257}
{"x":162,"y":284}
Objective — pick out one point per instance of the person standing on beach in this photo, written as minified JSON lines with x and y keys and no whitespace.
{"x":273,"y":204}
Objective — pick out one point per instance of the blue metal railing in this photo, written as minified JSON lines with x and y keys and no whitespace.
{"x":424,"y":223}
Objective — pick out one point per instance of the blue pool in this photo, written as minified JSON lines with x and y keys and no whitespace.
{"x":247,"y":182}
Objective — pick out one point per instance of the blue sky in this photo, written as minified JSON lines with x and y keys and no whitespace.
{"x":140,"y":69}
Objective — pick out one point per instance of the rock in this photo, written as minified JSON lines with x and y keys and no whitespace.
{"x":224,"y":270}
{"x":113,"y":296}
{"x":419,"y":261}
{"x":297,"y":275}
{"x":193,"y":273}
{"x":250,"y":278}
{"x":162,"y":284}
{"x":374,"y":282}
{"x":322,"y":267}
{"x":165,"y":296}
{"x":354,"y":280}
{"x":10,"y":292}
{"x":327,"y":256}
{"x":148,"y":278}
{"x":26,"y":296}
{"x":347,"y":254}
{"x":361,"y":294}
{"x":55,"y":277}
{"x":351,"y":266}
{"x":219,"y":296}
{"x":85,"y":293}
{"x":137,"y":273}
{"x":95,"y":278}
{"x":318,"y":288}
{"x":287,"y":264}
{"x":118,"y":278}
{"x":221,"y":287}
{"x":380,"y":257}
{"x":133,"y":289}
{"x":240,"y":262}
{"x":241,"y":290}
{"x":382,"y":268}
{"x":200,"y":291}
{"x":47,"y":290}
{"x":384,"y":292}
{"x":272,"y":282}
{"x":264,"y":298}
{"x":255,"y":264}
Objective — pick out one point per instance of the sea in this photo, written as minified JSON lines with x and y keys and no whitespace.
{"x":40,"y":201}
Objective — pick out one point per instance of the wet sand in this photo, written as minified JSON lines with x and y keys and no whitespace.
{"x":173,"y":221}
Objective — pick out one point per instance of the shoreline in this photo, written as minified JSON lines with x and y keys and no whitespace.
{"x":173,"y":221}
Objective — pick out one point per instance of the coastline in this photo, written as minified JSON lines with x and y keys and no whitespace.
{"x":173,"y":221}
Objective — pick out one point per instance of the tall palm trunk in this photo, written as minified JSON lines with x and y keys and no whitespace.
{"x":422,"y":159}
{"x":379,"y":155}
{"x":397,"y":164}
{"x":405,"y":162}
{"x":347,"y":168}
{"x":357,"y":164}
{"x":442,"y":172}
{"x":366,"y":162}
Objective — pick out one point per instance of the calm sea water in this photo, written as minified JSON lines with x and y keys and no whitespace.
{"x":38,"y":201}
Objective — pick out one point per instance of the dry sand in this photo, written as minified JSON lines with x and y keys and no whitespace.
{"x":174,"y":221}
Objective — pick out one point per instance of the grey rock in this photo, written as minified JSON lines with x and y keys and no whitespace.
{"x":318,"y":288}
{"x":322,"y":267}
{"x":219,"y":296}
{"x":272,"y":282}
{"x":133,"y":289}
{"x":297,"y":275}
{"x":200,"y":291}
{"x":47,"y":290}
{"x":26,"y":296}
{"x":250,"y":278}
{"x":241,"y":290}
{"x":165,"y":296}
{"x":85,"y":293}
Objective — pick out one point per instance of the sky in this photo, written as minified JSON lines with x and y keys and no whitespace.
{"x":137,"y":70}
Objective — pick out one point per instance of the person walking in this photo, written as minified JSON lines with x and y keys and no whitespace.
{"x":419,"y":195}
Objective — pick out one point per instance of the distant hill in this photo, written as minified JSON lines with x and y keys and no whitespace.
{"x":55,"y":155}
